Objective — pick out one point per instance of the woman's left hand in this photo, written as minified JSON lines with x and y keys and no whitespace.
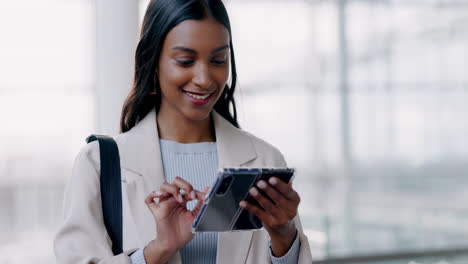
{"x":277,"y":216}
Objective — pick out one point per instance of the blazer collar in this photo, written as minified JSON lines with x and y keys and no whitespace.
{"x":235,"y":147}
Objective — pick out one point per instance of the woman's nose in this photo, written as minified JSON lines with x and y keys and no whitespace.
{"x":202,"y":77}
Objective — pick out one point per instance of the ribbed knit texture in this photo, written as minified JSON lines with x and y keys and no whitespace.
{"x":197,"y":163}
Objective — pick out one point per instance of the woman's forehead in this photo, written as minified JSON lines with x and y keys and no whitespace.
{"x":199,"y":35}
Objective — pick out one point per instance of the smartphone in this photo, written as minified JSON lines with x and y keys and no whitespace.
{"x":221,"y":211}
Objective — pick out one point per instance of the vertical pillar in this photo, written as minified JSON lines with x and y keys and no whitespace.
{"x":345,"y":115}
{"x":116,"y":38}
{"x":344,"y":81}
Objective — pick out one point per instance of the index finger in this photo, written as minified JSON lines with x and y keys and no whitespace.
{"x":203,"y":194}
{"x":186,"y":186}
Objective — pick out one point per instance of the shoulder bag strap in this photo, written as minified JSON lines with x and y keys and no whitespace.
{"x":111,"y":190}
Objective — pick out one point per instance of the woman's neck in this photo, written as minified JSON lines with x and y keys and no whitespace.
{"x":176,"y":127}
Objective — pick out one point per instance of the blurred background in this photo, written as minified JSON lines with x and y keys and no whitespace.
{"x":366,"y":98}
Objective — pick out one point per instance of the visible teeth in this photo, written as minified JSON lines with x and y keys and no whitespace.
{"x":199,"y":97}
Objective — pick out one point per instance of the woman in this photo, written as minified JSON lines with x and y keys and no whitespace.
{"x":177,"y":130}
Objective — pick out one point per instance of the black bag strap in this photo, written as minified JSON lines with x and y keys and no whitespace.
{"x":111,"y":190}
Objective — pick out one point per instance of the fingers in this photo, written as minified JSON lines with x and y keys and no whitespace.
{"x":280,"y":209}
{"x":173,"y":190}
{"x":156,"y":197}
{"x":261,"y":214}
{"x":182,"y":191}
{"x":201,"y":197}
{"x":278,"y":198}
{"x":150,"y":200}
{"x":265,"y":203}
{"x":184,"y":185}
{"x":169,"y":188}
{"x":197,"y":207}
{"x":285,"y":189}
{"x":203,"y":194}
{"x":285,"y":197}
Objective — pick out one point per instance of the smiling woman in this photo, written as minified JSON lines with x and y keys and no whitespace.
{"x":175,"y":55}
{"x":179,"y":127}
{"x":193,"y":68}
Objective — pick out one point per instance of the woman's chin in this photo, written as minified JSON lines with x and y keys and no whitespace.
{"x":198,"y":114}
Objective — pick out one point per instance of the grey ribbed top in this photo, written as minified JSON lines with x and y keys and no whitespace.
{"x":197,"y":163}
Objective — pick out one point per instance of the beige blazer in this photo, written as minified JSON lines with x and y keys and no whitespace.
{"x":83,"y":238}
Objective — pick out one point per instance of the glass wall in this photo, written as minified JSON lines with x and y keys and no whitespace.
{"x":367,"y":99}
{"x":47,"y":110}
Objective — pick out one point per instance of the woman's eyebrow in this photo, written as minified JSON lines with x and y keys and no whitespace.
{"x":220,"y":48}
{"x":194,"y":51}
{"x":184,"y":49}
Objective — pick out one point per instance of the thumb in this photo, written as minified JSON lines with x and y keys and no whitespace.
{"x":152,"y":200}
{"x":203,"y":194}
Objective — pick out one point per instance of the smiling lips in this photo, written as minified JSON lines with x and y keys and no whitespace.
{"x":199,"y":99}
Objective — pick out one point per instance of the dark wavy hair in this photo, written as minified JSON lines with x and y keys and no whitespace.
{"x":160,"y":17}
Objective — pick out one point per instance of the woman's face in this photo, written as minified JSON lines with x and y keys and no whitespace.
{"x":193,"y":68}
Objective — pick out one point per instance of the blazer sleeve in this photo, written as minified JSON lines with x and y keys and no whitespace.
{"x":82,"y":237}
{"x":305,"y":254}
{"x":259,"y":251}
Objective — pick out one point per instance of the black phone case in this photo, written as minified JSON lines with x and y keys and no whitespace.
{"x":221,"y":211}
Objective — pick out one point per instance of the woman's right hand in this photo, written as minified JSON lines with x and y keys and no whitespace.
{"x":173,"y":219}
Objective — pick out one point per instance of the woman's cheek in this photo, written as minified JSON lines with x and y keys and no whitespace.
{"x":222,"y":76}
{"x":178,"y":76}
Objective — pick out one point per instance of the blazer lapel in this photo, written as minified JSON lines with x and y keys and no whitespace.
{"x":235,"y":148}
{"x":142,"y":155}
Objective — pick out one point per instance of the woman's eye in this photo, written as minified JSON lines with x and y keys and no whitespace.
{"x":219,"y":62}
{"x":184,"y":62}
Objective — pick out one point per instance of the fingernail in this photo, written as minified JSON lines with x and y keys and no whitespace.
{"x":273,"y":181}
{"x":253,"y":191}
{"x":181,"y":199}
{"x":242,"y":204}
{"x":262,"y":184}
{"x":193,"y":195}
{"x":157,"y":193}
